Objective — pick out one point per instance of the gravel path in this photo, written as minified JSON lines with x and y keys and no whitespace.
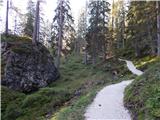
{"x":108,"y":104}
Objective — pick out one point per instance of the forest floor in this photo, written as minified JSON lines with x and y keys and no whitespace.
{"x":93,"y":79}
{"x":68,"y":97}
{"x":96,"y":80}
{"x":108,"y":103}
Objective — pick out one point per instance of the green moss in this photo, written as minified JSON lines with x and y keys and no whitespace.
{"x":15,"y":38}
{"x":22,"y":50}
{"x":142,"y":97}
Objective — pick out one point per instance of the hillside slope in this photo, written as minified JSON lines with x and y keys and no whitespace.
{"x":78,"y":82}
{"x":142,"y":97}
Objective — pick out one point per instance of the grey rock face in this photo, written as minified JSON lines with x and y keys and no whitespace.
{"x":27,"y":67}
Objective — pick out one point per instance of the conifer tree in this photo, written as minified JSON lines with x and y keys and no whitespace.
{"x":63,"y":29}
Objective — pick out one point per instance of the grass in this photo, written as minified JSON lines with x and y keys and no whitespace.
{"x":142,"y":97}
{"x":32,"y":106}
{"x":93,"y":79}
{"x":66,"y":98}
{"x":146,"y":62}
{"x":76,"y":110}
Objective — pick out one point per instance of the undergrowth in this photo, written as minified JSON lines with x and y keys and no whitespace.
{"x":142,"y":97}
{"x":73,"y":91}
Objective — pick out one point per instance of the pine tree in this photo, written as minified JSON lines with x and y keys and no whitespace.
{"x":28,"y":28}
{"x":141,"y":29}
{"x":81,"y":32}
{"x":46,"y":33}
{"x":98,"y":29}
{"x":63,"y":29}
{"x":120,"y":15}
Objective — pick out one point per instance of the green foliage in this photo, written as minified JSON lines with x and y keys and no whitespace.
{"x":153,"y":103}
{"x":21,"y":45}
{"x":15,"y":38}
{"x":13,"y":111}
{"x":45,"y":95}
{"x":146,"y":62}
{"x":10,"y":103}
{"x":76,"y":88}
{"x":141,"y":28}
{"x":63,"y":23}
{"x":98,"y":29}
{"x":142,"y":96}
{"x":119,"y":12}
{"x":28,"y":28}
{"x":36,"y":104}
{"x":77,"y":109}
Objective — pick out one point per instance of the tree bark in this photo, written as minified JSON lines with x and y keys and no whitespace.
{"x":112,"y":15}
{"x":153,"y":52}
{"x":7,"y":11}
{"x":94,"y":49}
{"x":123,"y":28}
{"x":137,"y":49}
{"x":158,"y":27}
{"x":59,"y":38}
{"x":85,"y":56}
{"x":36,"y":25}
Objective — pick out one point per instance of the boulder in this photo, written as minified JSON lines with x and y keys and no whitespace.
{"x":27,"y":67}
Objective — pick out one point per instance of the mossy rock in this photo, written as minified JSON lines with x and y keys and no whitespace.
{"x":26,"y":66}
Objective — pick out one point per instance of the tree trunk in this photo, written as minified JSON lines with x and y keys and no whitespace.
{"x":153,"y":52}
{"x":38,"y":28}
{"x":158,"y":28}
{"x":7,"y":11}
{"x":94,"y":50}
{"x":94,"y":40}
{"x":77,"y":46}
{"x":110,"y":52}
{"x":123,"y":31}
{"x":15,"y":25}
{"x":112,"y":15}
{"x":137,"y":50}
{"x":85,"y":56}
{"x":36,"y":25}
{"x":59,"y":38}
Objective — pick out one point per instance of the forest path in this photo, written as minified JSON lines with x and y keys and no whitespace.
{"x":108,"y":103}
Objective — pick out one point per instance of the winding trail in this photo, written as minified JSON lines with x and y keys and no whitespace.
{"x":108,"y":103}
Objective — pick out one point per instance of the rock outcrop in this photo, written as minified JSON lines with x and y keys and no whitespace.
{"x":26,"y":67}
